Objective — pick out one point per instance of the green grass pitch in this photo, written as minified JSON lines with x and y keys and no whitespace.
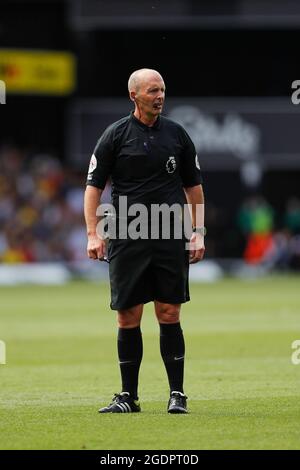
{"x":62,"y":365}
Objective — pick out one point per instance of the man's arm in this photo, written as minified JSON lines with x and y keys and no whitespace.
{"x":195,"y":197}
{"x":96,"y":246}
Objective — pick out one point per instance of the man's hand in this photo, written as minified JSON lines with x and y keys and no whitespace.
{"x":197,"y":248}
{"x":96,"y":247}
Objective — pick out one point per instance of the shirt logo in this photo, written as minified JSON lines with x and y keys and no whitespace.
{"x":171,"y":164}
{"x":93,"y":164}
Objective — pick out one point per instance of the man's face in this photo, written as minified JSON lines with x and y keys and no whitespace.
{"x":150,"y":96}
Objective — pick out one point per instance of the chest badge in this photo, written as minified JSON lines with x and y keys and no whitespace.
{"x":171,"y":165}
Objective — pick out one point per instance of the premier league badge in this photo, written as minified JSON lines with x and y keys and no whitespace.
{"x":171,"y":164}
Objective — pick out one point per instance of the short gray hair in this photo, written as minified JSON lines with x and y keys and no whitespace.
{"x":135,"y":78}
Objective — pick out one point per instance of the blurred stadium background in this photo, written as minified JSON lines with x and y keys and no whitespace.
{"x":228,"y":67}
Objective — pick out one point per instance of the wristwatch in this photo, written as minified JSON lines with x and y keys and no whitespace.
{"x":201,"y":230}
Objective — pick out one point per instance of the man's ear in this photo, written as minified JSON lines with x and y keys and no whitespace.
{"x":132,"y":95}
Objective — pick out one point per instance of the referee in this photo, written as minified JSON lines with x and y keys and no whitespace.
{"x":150,"y":160}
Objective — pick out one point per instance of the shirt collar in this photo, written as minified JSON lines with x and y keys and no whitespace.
{"x":156,"y":125}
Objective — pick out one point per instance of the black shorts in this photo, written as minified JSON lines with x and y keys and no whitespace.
{"x":145,"y":270}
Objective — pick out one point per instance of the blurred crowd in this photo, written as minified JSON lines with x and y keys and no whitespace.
{"x":41,"y":209}
{"x":271,"y":240}
{"x":41,"y":217}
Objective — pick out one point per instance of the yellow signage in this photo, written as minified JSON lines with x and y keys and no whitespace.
{"x":37,"y":72}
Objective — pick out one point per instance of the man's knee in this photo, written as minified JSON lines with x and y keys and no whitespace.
{"x":168,"y":313}
{"x":130,"y":317}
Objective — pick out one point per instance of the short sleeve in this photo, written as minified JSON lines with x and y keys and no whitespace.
{"x":189,"y":164}
{"x":102,"y":160}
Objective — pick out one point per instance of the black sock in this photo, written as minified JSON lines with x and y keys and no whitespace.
{"x":130,"y":350}
{"x":172,"y":350}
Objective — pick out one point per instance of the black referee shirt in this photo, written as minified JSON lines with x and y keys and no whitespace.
{"x":146,"y":164}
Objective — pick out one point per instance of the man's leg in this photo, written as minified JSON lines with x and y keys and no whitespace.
{"x":130,"y":348}
{"x":172,"y":350}
{"x":172,"y":346}
{"x":130,"y":351}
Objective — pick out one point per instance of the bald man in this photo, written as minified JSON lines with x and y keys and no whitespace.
{"x":150,"y":160}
